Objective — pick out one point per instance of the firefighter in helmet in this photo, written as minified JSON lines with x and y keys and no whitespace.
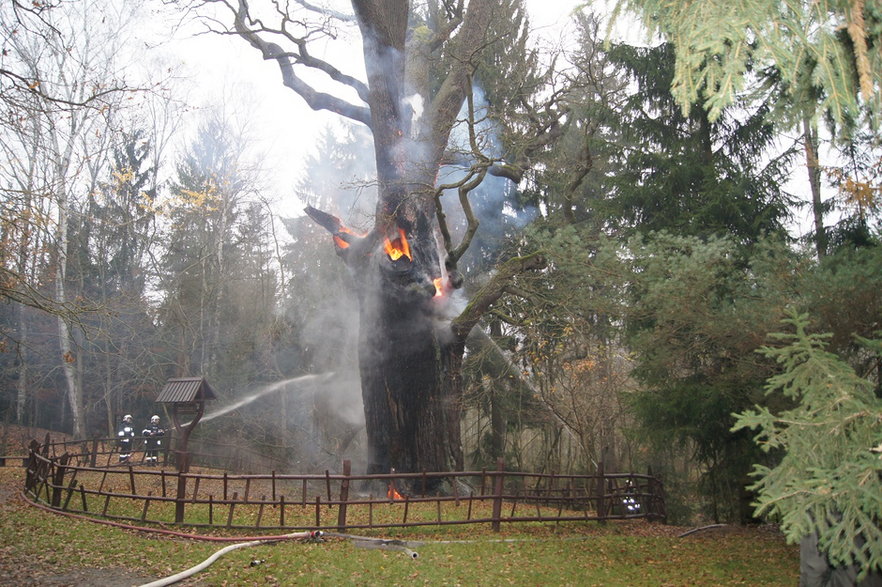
{"x":124,"y":438}
{"x":153,"y":434}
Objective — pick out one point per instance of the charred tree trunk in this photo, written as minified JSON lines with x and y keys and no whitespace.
{"x":410,"y":351}
{"x":409,"y":360}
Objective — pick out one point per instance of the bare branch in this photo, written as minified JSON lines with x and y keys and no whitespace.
{"x":255,"y":32}
{"x":33,"y":86}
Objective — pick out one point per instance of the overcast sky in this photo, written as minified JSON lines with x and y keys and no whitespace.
{"x":227,"y":71}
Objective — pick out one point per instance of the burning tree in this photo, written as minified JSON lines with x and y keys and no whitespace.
{"x":419,"y":66}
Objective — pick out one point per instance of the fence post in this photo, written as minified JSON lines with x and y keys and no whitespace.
{"x":181,"y":497}
{"x":497,"y":494}
{"x":344,"y":496}
{"x":58,"y":480}
{"x":601,"y":492}
{"x":31,"y":475}
{"x":93,"y":460}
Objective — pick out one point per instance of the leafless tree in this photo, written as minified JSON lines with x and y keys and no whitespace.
{"x":58,"y":88}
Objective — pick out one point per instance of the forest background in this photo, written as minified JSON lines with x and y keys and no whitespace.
{"x":141,"y":239}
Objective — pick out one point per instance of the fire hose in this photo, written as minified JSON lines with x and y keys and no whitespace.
{"x":359,"y":541}
{"x":380,"y":543}
{"x":207,"y":562}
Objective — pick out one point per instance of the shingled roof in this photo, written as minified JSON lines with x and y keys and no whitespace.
{"x":185,"y":390}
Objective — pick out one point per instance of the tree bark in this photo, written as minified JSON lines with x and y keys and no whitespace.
{"x":410,"y":355}
{"x":813,"y":167}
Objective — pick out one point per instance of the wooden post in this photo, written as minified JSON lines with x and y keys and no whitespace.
{"x":344,"y":496}
{"x":83,"y":495}
{"x":497,"y":494}
{"x":260,"y":509}
{"x":601,"y":492}
{"x":328,"y":486}
{"x":232,"y":507}
{"x":146,"y":505}
{"x":31,"y":476}
{"x":94,"y":456}
{"x":70,"y":491}
{"x":181,"y":497}
{"x":58,"y":480}
{"x":71,"y":486}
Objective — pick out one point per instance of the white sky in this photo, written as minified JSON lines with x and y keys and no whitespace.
{"x":227,"y":71}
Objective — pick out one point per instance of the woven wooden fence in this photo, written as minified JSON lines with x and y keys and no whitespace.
{"x":85,"y":481}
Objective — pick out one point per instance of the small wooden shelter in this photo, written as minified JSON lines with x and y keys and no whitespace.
{"x":185,"y":399}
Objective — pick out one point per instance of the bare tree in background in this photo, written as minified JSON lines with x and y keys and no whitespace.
{"x":58,"y":88}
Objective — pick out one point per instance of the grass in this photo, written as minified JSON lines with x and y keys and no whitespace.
{"x":35,"y":543}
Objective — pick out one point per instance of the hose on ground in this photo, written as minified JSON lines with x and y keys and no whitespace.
{"x":404,"y":546}
{"x":170,"y":580}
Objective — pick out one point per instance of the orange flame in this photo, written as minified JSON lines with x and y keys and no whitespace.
{"x":342,"y":243}
{"x":393,"y":493}
{"x":439,"y":287}
{"x":397,"y":248}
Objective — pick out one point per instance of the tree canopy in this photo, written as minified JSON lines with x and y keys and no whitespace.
{"x":826,"y":54}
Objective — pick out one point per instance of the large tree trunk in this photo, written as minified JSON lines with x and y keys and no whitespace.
{"x":409,"y":359}
{"x":410,"y":386}
{"x":410,"y":352}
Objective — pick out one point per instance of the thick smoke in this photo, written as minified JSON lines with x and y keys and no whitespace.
{"x":493,"y":202}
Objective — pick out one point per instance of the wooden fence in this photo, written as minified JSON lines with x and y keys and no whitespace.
{"x":74,"y":481}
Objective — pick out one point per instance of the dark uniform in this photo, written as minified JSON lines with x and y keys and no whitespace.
{"x":153,"y":439}
{"x":125,"y":438}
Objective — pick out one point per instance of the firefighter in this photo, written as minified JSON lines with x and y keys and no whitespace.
{"x":153,"y":434}
{"x":124,"y":438}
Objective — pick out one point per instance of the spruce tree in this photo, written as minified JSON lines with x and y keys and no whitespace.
{"x":828,"y":480}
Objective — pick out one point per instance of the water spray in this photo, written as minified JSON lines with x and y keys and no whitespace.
{"x":266,"y":390}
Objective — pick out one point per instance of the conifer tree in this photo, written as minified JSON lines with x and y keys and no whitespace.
{"x":828,"y":480}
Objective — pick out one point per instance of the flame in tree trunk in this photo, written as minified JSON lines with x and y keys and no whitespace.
{"x":398,"y":248}
{"x":340,"y":241}
{"x":392,"y":493}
